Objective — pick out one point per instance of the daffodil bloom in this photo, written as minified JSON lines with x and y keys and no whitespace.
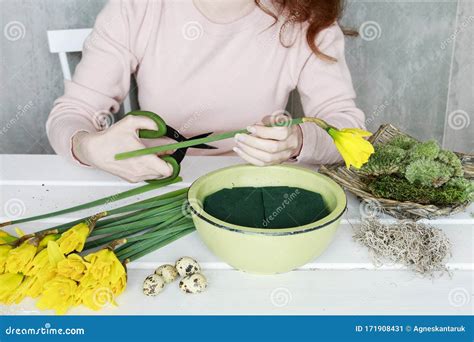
{"x":6,"y":238}
{"x":74,"y":238}
{"x":19,"y":258}
{"x":54,"y":253}
{"x":40,"y":261}
{"x":58,"y":295}
{"x":350,"y":142}
{"x":105,"y":267}
{"x":73,"y":267}
{"x":119,"y":286}
{"x":21,"y":291}
{"x":37,"y":282}
{"x":4,"y":250}
{"x":9,"y":282}
{"x":44,"y":241}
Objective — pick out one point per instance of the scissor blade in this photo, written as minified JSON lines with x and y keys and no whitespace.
{"x":202,"y":146}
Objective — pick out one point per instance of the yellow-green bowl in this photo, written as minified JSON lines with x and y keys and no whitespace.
{"x":266,"y":251}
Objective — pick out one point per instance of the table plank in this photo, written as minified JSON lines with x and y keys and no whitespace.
{"x":324,"y":292}
{"x":341,"y":281}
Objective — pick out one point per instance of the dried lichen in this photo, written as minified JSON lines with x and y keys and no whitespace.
{"x":420,"y":247}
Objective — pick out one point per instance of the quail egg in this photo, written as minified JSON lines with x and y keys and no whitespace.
{"x":187,"y":266}
{"x":167,"y":272}
{"x":193,"y":283}
{"x":153,"y":285}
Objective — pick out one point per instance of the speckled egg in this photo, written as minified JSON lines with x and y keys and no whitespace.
{"x":167,"y":272}
{"x":187,"y":266}
{"x":193,"y":283}
{"x":153,"y":285}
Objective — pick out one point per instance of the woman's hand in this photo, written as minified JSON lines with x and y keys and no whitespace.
{"x":99,"y":150}
{"x":269,"y":145}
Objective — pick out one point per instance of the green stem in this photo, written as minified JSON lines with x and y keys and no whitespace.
{"x":158,"y":233}
{"x":101,"y":201}
{"x":194,"y":142}
{"x":160,"y":243}
{"x":162,"y":226}
{"x":135,"y":225}
{"x":144,"y":204}
{"x":143,"y":214}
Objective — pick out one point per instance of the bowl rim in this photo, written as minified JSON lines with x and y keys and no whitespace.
{"x":334,"y":216}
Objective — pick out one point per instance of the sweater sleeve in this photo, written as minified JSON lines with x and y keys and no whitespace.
{"x":327,"y":93}
{"x":102,"y":78}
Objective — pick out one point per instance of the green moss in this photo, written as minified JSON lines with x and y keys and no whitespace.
{"x":386,"y":160}
{"x":402,"y":141}
{"x":452,"y":160}
{"x":427,"y":173}
{"x":426,"y":150}
{"x":406,"y":170}
{"x":400,"y":189}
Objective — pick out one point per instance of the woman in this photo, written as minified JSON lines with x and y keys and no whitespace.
{"x":207,"y":65}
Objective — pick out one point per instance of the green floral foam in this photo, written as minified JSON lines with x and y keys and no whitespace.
{"x":266,"y":207}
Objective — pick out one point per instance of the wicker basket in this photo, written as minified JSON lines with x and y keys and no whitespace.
{"x":351,"y":180}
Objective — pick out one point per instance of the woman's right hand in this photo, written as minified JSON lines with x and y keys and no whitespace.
{"x":99,"y":150}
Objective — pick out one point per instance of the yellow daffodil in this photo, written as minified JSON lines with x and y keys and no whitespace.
{"x":44,"y":241}
{"x":6,"y":238}
{"x":4,"y":250}
{"x":9,"y":282}
{"x":73,"y":267}
{"x":352,"y":146}
{"x":350,"y":142}
{"x":37,"y":282}
{"x":19,"y":258}
{"x":105,"y":267}
{"x":119,"y":286}
{"x":58,"y":295}
{"x":74,"y":238}
{"x":54,"y":253}
{"x":40,"y":261}
{"x":21,"y":291}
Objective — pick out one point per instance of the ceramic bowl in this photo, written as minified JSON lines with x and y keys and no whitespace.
{"x":266,"y":251}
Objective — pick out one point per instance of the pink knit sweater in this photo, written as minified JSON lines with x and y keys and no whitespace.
{"x":201,"y":76}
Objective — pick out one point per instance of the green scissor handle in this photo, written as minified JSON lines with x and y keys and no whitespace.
{"x":155,"y":134}
{"x":148,"y":133}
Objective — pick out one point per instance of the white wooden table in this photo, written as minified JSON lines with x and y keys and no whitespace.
{"x":342,"y":281}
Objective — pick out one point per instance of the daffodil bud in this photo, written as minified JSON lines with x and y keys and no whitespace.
{"x":19,"y":258}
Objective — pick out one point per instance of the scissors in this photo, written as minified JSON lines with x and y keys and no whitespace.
{"x":164,"y":130}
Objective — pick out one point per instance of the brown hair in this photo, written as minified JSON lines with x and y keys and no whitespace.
{"x":319,"y":14}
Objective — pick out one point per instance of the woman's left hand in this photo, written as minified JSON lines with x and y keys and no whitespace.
{"x":269,"y":145}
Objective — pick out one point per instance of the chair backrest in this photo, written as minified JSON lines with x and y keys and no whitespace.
{"x":63,"y":42}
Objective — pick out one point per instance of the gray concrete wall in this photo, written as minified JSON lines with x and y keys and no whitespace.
{"x":412,"y":66}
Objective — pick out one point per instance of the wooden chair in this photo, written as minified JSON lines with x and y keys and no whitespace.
{"x":63,"y":42}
